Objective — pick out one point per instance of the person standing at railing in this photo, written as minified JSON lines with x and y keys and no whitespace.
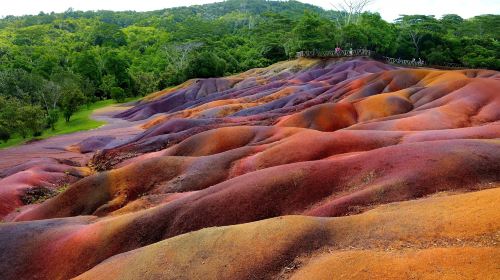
{"x":350,"y":51}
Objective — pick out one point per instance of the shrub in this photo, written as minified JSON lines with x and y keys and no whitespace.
{"x":52,"y":118}
{"x":4,"y":134}
{"x":72,"y":99}
{"x":206,"y":65}
{"x":118,"y":94}
{"x":33,"y":120}
{"x":144,"y":83}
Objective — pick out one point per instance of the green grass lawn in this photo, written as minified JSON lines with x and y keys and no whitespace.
{"x":79,"y":121}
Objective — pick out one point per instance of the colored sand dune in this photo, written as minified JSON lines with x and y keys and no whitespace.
{"x":307,"y":169}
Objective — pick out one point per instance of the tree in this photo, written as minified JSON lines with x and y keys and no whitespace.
{"x":110,"y":35}
{"x":108,"y":82}
{"x":118,"y":94}
{"x":71,"y":100}
{"x":479,"y":56}
{"x":20,"y":84}
{"x":4,"y":134}
{"x":116,"y":63}
{"x":178,"y":55}
{"x":52,"y":118}
{"x":47,"y":63}
{"x":172,"y":76}
{"x":274,"y":52}
{"x":8,"y":117}
{"x":354,"y":35}
{"x":452,"y":23}
{"x":272,"y":34}
{"x":50,"y":94}
{"x":145,"y":82}
{"x":60,"y":84}
{"x":483,"y":26}
{"x":381,"y":36}
{"x":205,"y":65}
{"x":439,"y":56}
{"x":89,"y":90}
{"x":88,"y":65}
{"x":33,"y":120}
{"x":350,"y":11}
{"x":313,"y":32}
{"x":415,"y":27}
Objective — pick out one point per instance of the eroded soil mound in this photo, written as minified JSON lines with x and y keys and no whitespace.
{"x":297,"y":171}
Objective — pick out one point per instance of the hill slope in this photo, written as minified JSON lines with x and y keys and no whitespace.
{"x":314,"y":139}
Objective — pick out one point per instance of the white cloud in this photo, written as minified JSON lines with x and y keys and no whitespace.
{"x":389,"y":9}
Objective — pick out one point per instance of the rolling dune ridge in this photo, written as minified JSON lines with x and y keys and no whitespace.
{"x":307,"y":169}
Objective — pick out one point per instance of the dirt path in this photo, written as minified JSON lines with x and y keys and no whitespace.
{"x":54,"y":146}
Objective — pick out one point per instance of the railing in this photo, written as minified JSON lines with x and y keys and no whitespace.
{"x":453,"y":65}
{"x":365,"y":52}
{"x":398,"y":61}
{"x":341,"y":53}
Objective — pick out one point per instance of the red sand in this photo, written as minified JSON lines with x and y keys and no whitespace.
{"x":327,"y":138}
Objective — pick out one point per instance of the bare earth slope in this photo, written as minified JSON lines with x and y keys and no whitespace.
{"x":300,"y":170}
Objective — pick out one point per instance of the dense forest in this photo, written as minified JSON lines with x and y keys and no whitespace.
{"x":52,"y":64}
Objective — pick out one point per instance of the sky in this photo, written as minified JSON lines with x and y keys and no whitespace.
{"x":389,"y":9}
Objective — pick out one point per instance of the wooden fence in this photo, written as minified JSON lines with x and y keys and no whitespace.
{"x":365,"y":52}
{"x":398,"y":61}
{"x":342,"y":53}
